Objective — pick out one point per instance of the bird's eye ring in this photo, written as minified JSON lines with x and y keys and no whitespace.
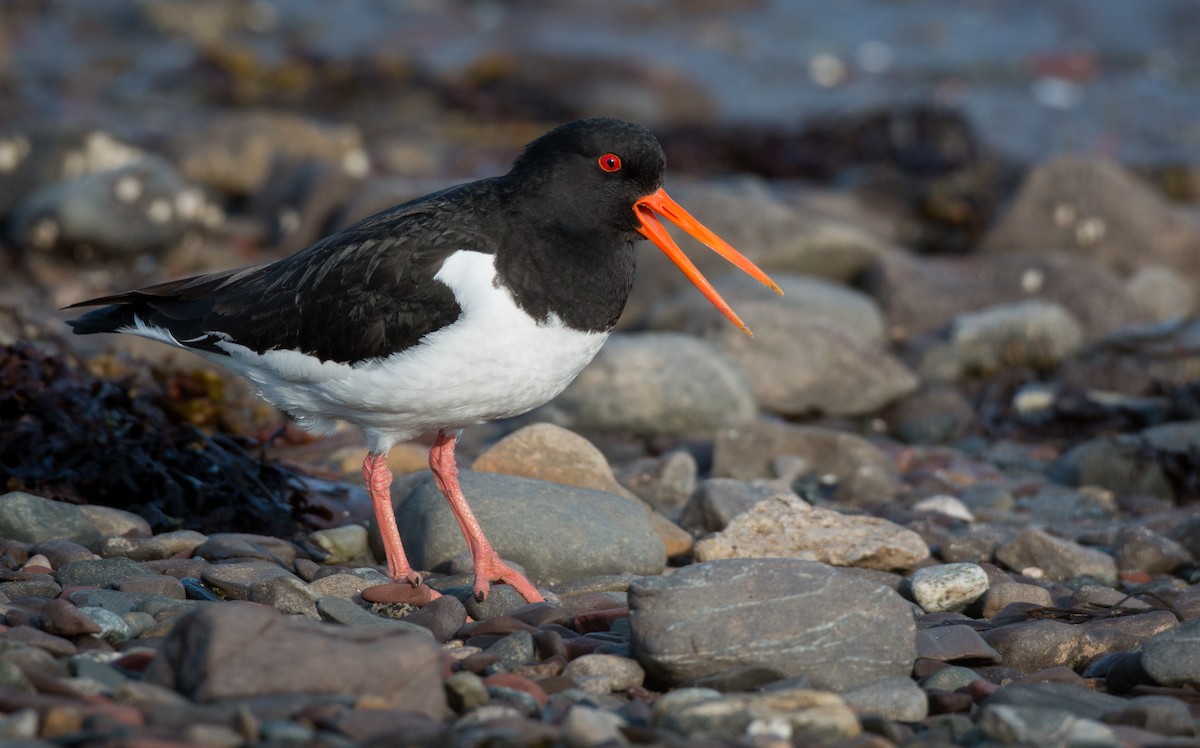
{"x":610,"y":162}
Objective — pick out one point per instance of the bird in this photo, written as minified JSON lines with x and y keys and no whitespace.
{"x":474,"y":303}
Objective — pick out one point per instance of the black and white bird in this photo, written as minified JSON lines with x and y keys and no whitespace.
{"x":479,"y":302}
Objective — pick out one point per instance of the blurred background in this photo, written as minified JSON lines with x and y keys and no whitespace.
{"x":901,"y":164}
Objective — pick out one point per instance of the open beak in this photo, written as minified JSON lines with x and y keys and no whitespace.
{"x":659,"y":203}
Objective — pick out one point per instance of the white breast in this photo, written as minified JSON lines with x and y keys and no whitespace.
{"x":495,"y":361}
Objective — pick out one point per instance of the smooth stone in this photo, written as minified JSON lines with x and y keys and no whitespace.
{"x":950,"y":678}
{"x":954,"y":644}
{"x":935,"y":414}
{"x":863,"y":473}
{"x":547,"y":452}
{"x":101,"y":572}
{"x":656,"y":384}
{"x":343,"y":544}
{"x":238,"y":650}
{"x":587,"y":726}
{"x":1140,"y":549}
{"x":61,"y":617}
{"x":465,"y":691}
{"x":512,"y":651}
{"x":695,"y":713}
{"x":1163,"y":293}
{"x":948,"y":586}
{"x":829,"y":369}
{"x":1172,"y":658}
{"x":1034,"y":334}
{"x":1030,"y":725}
{"x":340,"y":610}
{"x":162,"y":546}
{"x":58,"y":553}
{"x":948,"y":506}
{"x":341,"y":585}
{"x":788,"y":527}
{"x":594,"y":533}
{"x":1160,"y":714}
{"x":1056,"y":558}
{"x":32,"y":519}
{"x":999,"y":596}
{"x":895,"y":698}
{"x":113,"y":628}
{"x":1074,"y":699}
{"x":235,"y":579}
{"x":615,"y":673}
{"x":1037,"y":645}
{"x":223,"y":546}
{"x":285,"y":594}
{"x":40,"y":586}
{"x":682,"y":627}
{"x":113,"y":522}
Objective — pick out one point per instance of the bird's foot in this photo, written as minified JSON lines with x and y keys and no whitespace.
{"x":489,"y":570}
{"x":412,"y":576}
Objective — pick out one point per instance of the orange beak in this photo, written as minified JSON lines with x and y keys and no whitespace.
{"x":659,"y":203}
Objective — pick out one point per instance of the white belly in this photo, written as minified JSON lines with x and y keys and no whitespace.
{"x":494,"y":362}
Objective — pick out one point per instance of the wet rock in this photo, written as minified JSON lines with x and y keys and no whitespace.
{"x":595,"y":533}
{"x":143,"y":206}
{"x":695,"y":713}
{"x":797,"y":365}
{"x":32,"y":519}
{"x":655,"y":384}
{"x":1055,"y":558}
{"x":1091,"y":206}
{"x":862,"y":474}
{"x":236,"y":650}
{"x":786,"y":612}
{"x":1172,"y":658}
{"x":788,"y":527}
{"x":948,"y":586}
{"x":1035,"y":334}
{"x":550,"y":453}
{"x":999,"y":596}
{"x":896,"y":698}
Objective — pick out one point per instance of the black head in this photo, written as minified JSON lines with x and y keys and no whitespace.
{"x":592,"y":171}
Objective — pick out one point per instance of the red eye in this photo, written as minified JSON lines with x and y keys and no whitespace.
{"x":610,"y":162}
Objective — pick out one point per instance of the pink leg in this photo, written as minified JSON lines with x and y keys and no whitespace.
{"x":378,"y":478}
{"x":488,"y":566}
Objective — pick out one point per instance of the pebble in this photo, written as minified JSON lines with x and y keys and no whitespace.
{"x":1172,"y":658}
{"x":162,"y":546}
{"x":948,"y":586}
{"x":666,"y":483}
{"x":896,"y":698}
{"x":343,"y":544}
{"x":32,"y":519}
{"x":1054,"y":558}
{"x":612,"y":673}
{"x":100,"y":572}
{"x":595,"y":532}
{"x":954,"y":643}
{"x":779,"y":624}
{"x":1036,"y":334}
{"x":547,"y":452}
{"x":788,"y":527}
{"x":694,"y":713}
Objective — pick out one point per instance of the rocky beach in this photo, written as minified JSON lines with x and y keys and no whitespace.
{"x":948,"y":494}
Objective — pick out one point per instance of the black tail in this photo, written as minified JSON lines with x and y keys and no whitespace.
{"x":106,"y":319}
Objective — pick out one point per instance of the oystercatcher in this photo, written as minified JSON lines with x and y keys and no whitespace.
{"x":478,"y":302}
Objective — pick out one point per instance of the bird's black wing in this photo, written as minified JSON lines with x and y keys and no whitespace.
{"x":364,"y":292}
